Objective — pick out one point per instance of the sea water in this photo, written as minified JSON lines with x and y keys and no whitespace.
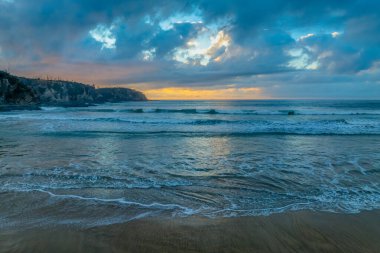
{"x":118,"y":162}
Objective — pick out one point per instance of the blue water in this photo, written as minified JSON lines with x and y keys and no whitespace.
{"x":117,"y":162}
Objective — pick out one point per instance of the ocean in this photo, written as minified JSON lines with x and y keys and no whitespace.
{"x":114,"y":163}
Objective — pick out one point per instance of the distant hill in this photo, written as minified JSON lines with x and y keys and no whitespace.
{"x":23,"y":92}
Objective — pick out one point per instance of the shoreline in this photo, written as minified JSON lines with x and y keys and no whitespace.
{"x":300,"y":231}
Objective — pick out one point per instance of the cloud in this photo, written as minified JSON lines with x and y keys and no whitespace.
{"x":104,"y":35}
{"x":198,"y":44}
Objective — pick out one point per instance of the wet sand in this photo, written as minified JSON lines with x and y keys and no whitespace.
{"x":288,"y":232}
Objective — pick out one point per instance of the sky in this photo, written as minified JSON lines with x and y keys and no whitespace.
{"x":199,"y":49}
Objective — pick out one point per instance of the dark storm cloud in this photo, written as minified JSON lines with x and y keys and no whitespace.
{"x":50,"y":26}
{"x":320,"y":41}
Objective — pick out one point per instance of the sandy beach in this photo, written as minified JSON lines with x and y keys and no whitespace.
{"x":287,"y":232}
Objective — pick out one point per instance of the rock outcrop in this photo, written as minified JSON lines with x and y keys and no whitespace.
{"x":15,"y":93}
{"x":24,"y":91}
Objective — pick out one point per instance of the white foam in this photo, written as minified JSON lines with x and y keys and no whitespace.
{"x":153,"y":205}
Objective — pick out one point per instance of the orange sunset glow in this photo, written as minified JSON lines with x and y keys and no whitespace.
{"x":175,"y":93}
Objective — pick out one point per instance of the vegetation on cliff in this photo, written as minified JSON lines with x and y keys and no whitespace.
{"x":118,"y":95}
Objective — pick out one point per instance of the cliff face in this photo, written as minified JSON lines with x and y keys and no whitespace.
{"x":52,"y":92}
{"x":25,"y":91}
{"x":13,"y":92}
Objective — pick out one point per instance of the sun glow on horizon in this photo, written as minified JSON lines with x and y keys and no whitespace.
{"x":177,"y":93}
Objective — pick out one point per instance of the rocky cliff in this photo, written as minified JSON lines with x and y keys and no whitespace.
{"x":24,"y":91}
{"x":61,"y":93}
{"x":15,"y":93}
